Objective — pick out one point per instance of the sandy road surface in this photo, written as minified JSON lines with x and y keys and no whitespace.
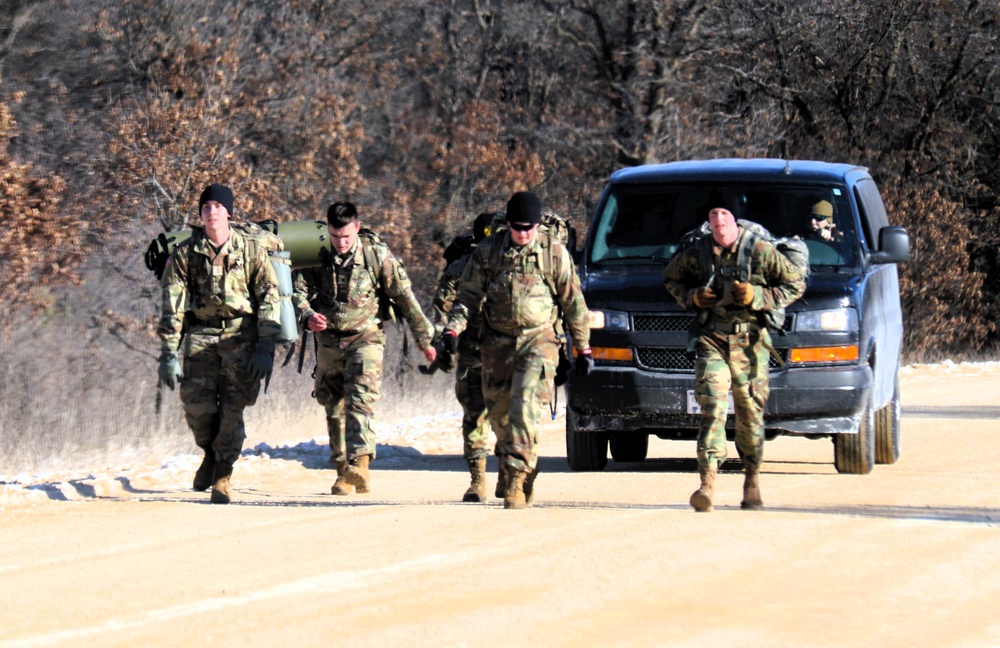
{"x":906,"y":556}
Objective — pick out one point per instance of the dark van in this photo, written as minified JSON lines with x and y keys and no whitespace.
{"x":840,"y":345}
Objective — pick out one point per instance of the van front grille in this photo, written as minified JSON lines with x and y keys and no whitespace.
{"x":677,"y":360}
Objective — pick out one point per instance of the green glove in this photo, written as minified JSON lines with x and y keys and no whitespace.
{"x":170,"y":369}
{"x":262,"y":361}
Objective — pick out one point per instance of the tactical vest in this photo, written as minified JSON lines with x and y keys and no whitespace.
{"x":530,"y":280}
{"x":369,"y":282}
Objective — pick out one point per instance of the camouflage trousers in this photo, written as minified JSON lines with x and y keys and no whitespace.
{"x":348,"y":383}
{"x":475,"y":424}
{"x":217,"y":387}
{"x":518,"y":383}
{"x":737,"y":362}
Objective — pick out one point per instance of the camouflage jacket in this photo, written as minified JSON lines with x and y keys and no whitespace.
{"x":347,"y":293}
{"x":776,"y":281}
{"x":509,"y":287}
{"x":237,"y":281}
{"x":444,"y":300}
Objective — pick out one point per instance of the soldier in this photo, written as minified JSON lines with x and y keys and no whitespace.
{"x":469,"y":374}
{"x":345,"y":302}
{"x":520,"y":280}
{"x":223,"y":278}
{"x":732,"y":345}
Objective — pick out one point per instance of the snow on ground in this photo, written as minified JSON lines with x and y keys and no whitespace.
{"x":398,"y":445}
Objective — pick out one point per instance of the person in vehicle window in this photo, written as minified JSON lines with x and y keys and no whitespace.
{"x":821,"y":226}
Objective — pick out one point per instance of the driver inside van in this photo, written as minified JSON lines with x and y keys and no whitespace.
{"x":820,"y":223}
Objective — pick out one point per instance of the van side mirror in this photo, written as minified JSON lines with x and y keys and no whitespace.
{"x":893,"y":245}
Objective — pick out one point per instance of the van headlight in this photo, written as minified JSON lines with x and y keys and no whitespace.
{"x":838,"y":319}
{"x":608,"y":320}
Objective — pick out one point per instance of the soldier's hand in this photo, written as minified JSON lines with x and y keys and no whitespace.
{"x":584,"y":362}
{"x":430,"y":353}
{"x":447,"y":347}
{"x":262,"y":360}
{"x":317,"y":322}
{"x":170,"y":370}
{"x":449,"y":341}
{"x":742,"y":293}
{"x":704,"y":297}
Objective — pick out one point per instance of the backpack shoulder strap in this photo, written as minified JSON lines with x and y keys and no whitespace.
{"x":548,"y":263}
{"x":744,"y":253}
{"x":367,"y":244}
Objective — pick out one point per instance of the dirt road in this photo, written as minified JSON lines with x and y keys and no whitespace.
{"x":906,"y":556}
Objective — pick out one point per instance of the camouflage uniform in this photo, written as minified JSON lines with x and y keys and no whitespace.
{"x":518,"y":343}
{"x":351,"y":349}
{"x":469,"y":367}
{"x":232,"y":295}
{"x":732,"y":348}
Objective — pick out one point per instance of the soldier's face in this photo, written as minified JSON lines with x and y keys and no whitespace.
{"x":213,"y":214}
{"x":344,"y":237}
{"x":725,"y":231}
{"x":522,"y":233}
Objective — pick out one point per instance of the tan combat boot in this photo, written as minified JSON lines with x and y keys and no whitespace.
{"x":356,"y":473}
{"x":220,"y":489}
{"x":204,"y":476}
{"x":341,"y":486}
{"x":477,"y":489}
{"x":751,"y":491}
{"x":513,"y":497}
{"x":529,"y":486}
{"x":501,"y":480}
{"x":701,"y":499}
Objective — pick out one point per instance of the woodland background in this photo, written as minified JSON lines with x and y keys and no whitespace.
{"x":114,"y":115}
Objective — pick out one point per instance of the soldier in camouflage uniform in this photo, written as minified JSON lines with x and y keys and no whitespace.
{"x":469,"y":373}
{"x":732,"y":346}
{"x":344,"y":303}
{"x":225,"y":281}
{"x":520,"y":279}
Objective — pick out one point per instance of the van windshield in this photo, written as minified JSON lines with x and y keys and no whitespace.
{"x":644,"y":224}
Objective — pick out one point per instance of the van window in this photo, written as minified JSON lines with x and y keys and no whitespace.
{"x":640,"y":224}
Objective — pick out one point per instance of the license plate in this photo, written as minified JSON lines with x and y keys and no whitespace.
{"x":694,"y":408}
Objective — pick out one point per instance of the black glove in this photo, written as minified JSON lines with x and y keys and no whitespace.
{"x":445,"y":361}
{"x":584,"y":363}
{"x":450,"y":341}
{"x":170,"y":369}
{"x":447,"y":348}
{"x":262,"y":361}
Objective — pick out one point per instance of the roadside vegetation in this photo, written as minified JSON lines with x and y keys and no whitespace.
{"x":113,"y":116}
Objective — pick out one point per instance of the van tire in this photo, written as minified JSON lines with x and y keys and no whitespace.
{"x":629,"y":446}
{"x":854,"y":454}
{"x":888,"y":428}
{"x":585,"y":451}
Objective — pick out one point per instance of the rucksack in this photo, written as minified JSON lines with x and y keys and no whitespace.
{"x":792,"y":248}
{"x":459,"y":247}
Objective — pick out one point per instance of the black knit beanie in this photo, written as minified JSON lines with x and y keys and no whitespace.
{"x":524,"y":207}
{"x":219,"y":194}
{"x":729,"y":202}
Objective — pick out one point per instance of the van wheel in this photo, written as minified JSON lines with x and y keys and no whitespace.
{"x":854,"y":454}
{"x":888,"y":428}
{"x":629,"y":446}
{"x":585,"y":451}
